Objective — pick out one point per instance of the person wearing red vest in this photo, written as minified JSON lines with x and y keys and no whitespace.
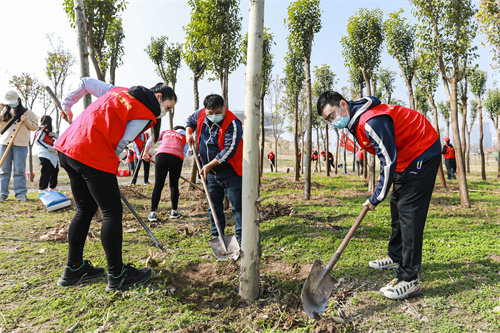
{"x":330,"y":158}
{"x":448,"y":152}
{"x":360,"y":156}
{"x":139,"y":144}
{"x":271,"y":158}
{"x":88,"y":151}
{"x":168,"y":160}
{"x":409,"y":149}
{"x":220,"y":145}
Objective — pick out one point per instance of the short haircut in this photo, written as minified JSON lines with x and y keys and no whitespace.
{"x":213,"y":101}
{"x":330,"y":97}
{"x":179,"y":127}
{"x":166,"y":92}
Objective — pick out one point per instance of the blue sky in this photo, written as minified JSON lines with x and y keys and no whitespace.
{"x":26,"y":22}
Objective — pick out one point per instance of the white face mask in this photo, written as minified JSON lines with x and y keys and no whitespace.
{"x":163,"y":112}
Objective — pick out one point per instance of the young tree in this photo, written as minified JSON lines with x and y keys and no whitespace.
{"x":30,"y":88}
{"x":445,"y":111}
{"x":357,"y":82}
{"x":478,"y":87}
{"x":58,"y":67}
{"x":362,"y":48}
{"x":492,"y":104}
{"x":447,"y":27}
{"x":325,"y":79}
{"x":294,"y":80}
{"x":400,"y":39}
{"x":100,"y":16}
{"x":427,"y":78}
{"x":115,"y":51}
{"x":266,"y":80}
{"x":303,"y":22}
{"x":488,"y":18}
{"x":387,"y":79}
{"x":473,"y":115}
{"x":277,"y":110}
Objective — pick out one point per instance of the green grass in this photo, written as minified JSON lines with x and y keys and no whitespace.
{"x":191,"y":291}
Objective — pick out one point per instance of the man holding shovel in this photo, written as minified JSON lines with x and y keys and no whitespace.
{"x":16,"y":123}
{"x":220,"y":147}
{"x":409,"y":150}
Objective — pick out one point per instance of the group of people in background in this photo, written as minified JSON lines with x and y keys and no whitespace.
{"x":89,"y":148}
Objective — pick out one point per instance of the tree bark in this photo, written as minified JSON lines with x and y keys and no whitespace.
{"x":442,"y":179}
{"x":296,"y":137}
{"x":250,"y":257}
{"x":82,"y":45}
{"x":307,"y":176}
{"x":194,"y":168}
{"x":327,"y":152}
{"x":481,"y":136}
{"x":262,"y":136}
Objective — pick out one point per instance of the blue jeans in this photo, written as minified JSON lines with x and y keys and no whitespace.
{"x":218,"y":185}
{"x":17,"y":156}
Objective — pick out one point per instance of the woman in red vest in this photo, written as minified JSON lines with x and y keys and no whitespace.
{"x":88,"y":151}
{"x":408,"y":148}
{"x":448,"y":152}
{"x":169,"y":160}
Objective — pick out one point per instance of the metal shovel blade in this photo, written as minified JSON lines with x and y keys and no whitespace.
{"x":315,"y":297}
{"x":229,"y":250}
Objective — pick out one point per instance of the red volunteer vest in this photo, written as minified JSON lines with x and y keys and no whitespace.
{"x":94,"y":135}
{"x":450,"y":153}
{"x":172,"y":142}
{"x":237,"y":159}
{"x":46,"y":139}
{"x":140,"y":142}
{"x":270,"y":155}
{"x":413,"y":132}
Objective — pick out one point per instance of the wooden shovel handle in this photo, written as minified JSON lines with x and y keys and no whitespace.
{"x":11,"y":143}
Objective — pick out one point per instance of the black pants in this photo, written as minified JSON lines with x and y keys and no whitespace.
{"x":410,"y":199}
{"x":271,"y":161}
{"x":146,"y":170}
{"x":48,"y":175}
{"x":93,"y":188}
{"x":166,"y":164}
{"x":451,"y":167}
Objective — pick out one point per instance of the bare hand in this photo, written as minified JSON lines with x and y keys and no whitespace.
{"x":368,"y":204}
{"x":190,"y":139}
{"x":205,"y":170}
{"x":24,"y":117}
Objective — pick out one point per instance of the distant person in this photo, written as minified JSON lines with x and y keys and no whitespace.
{"x":450,"y":163}
{"x":139,"y":144}
{"x":12,"y":112}
{"x":315,"y":159}
{"x":330,"y":159}
{"x":300,"y":158}
{"x":271,"y":157}
{"x":169,"y":160}
{"x":44,"y":139}
{"x":408,"y":148}
{"x":220,"y":147}
{"x":360,"y":156}
{"x":88,"y":151}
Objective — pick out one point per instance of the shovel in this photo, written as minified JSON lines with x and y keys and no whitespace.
{"x":224,"y":247}
{"x":319,"y":285}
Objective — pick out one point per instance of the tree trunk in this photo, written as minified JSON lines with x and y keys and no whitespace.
{"x":442,"y":179}
{"x":82,"y":45}
{"x":461,"y":175}
{"x":194,"y":168}
{"x":30,"y":151}
{"x":409,"y":86}
{"x":296,"y":137}
{"x":481,"y":136}
{"x":250,"y":257}
{"x":319,"y":149}
{"x":464,"y":128}
{"x":327,"y":152}
{"x":307,"y":176}
{"x":371,"y":159}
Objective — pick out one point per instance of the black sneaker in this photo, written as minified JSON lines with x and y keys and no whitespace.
{"x":85,"y":272}
{"x":129,"y":277}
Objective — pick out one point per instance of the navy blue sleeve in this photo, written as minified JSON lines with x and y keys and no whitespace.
{"x":232,"y":139}
{"x":380,"y":131}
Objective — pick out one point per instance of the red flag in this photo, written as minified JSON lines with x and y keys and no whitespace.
{"x":349,"y":144}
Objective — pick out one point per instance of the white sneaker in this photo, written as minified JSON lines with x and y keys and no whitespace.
{"x":53,"y":189}
{"x":152,"y":217}
{"x":21,"y":198}
{"x":383,"y":263}
{"x":399,"y":289}
{"x":175,"y":215}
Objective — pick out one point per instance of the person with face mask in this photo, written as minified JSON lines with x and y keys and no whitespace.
{"x":88,"y":151}
{"x":409,"y":151}
{"x":220,"y":145}
{"x":12,"y":112}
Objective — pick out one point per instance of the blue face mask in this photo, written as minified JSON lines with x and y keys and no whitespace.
{"x":340,"y":122}
{"x":215,"y":118}
{"x":14,"y":105}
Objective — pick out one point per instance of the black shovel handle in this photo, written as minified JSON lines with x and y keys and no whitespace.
{"x":127,"y":203}
{"x":57,"y":103}
{"x":343,"y":245}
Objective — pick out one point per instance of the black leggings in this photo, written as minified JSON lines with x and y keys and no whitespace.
{"x":48,"y":174}
{"x":166,"y":163}
{"x":93,"y":188}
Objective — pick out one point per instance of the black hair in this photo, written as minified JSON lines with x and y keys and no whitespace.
{"x":213,"y":101}
{"x":166,"y":92}
{"x":330,"y":97}
{"x":46,"y":121}
{"x":179,"y":127}
{"x":19,"y":111}
{"x":155,"y":130}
